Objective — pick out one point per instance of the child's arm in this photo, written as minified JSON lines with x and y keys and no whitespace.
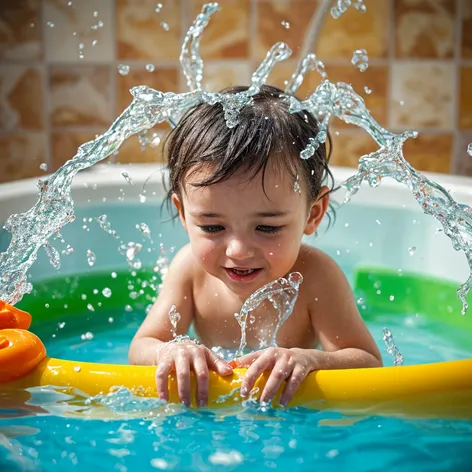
{"x":156,"y":329}
{"x":346,"y":341}
{"x":150,"y":345}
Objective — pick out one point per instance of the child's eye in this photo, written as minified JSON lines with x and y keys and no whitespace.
{"x":211,"y":228}
{"x":269,"y":229}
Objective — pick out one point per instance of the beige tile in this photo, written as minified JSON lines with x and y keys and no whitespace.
{"x":349,"y":146}
{"x":430,"y":152}
{"x":131,"y":150}
{"x":162,"y":79}
{"x":227,"y":34}
{"x":462,"y":162}
{"x":339,"y":38}
{"x":220,"y":75}
{"x":465,"y":98}
{"x":21,"y":154}
{"x":21,"y":97}
{"x":269,"y":28}
{"x":375,"y":78}
{"x":426,"y":90}
{"x":64,"y":145}
{"x":80,"y":95}
{"x":425,"y":28}
{"x":466,"y":43}
{"x":90,"y":20}
{"x":140,"y":34}
{"x":20,"y":30}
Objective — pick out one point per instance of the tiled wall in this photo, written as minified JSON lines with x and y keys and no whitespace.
{"x":60,"y":85}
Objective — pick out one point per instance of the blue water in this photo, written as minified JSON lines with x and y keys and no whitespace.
{"x":147,"y":435}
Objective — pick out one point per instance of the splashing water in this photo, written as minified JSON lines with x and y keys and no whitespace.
{"x":106,"y":226}
{"x":282,"y":293}
{"x":54,"y":257}
{"x":343,"y":5}
{"x":469,"y":149}
{"x":391,"y":347}
{"x":360,"y":59}
{"x":54,"y":208}
{"x":91,"y":258}
{"x":174,"y":317}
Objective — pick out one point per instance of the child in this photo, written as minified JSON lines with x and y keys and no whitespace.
{"x":246,"y":198}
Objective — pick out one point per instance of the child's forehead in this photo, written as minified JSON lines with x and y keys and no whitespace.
{"x":270,"y":177}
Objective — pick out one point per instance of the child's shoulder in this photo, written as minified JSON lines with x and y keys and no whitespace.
{"x":319,"y":269}
{"x":183,"y":263}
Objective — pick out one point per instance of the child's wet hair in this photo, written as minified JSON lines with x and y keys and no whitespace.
{"x":266,"y":133}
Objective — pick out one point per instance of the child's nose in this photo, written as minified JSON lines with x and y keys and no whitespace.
{"x":238,"y":248}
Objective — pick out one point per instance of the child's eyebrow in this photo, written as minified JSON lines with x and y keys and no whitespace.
{"x":261,"y":214}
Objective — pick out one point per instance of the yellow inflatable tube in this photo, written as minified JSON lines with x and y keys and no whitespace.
{"x":440,"y":390}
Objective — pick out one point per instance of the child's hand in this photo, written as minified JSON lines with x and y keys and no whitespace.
{"x":181,"y":358}
{"x":290,"y":365}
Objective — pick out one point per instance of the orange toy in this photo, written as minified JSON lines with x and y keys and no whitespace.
{"x":20,"y":350}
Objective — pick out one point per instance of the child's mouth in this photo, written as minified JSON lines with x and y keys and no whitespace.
{"x":242,"y":275}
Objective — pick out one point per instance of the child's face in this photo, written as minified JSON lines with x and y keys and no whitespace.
{"x":243,"y":236}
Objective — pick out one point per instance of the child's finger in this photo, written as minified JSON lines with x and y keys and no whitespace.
{"x":162,"y":376}
{"x":279,"y":374}
{"x":182,"y":371}
{"x":254,"y":371}
{"x":293,"y":384}
{"x":246,"y":360}
{"x":217,"y":364}
{"x":200,"y":368}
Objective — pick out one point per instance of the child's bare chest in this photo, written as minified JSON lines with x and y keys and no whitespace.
{"x":216,"y":325}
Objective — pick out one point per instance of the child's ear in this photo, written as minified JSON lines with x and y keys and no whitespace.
{"x":317,"y":211}
{"x":180,"y":208}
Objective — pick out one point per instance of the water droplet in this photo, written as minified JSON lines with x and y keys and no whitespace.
{"x":144,"y":229}
{"x":50,"y":24}
{"x":111,"y":320}
{"x":285,"y":24}
{"x":367,"y":90}
{"x":165,"y":26}
{"x":94,"y":42}
{"x":158,"y":7}
{"x":128,"y":308}
{"x":87,"y":336}
{"x":412,"y":250}
{"x":123,"y":69}
{"x":43,"y":167}
{"x":95,"y":14}
{"x":61,"y":324}
{"x":91,"y":258}
{"x":360,"y":59}
{"x":113,"y":275}
{"x":127,"y":178}
{"x":106,"y":292}
{"x":90,"y":307}
{"x":391,"y":298}
{"x":53,"y":255}
{"x":142,"y":198}
{"x":360,"y":301}
{"x":378,"y":222}
{"x":77,"y":368}
{"x":150,"y":67}
{"x":402,"y":103}
{"x":469,"y":149}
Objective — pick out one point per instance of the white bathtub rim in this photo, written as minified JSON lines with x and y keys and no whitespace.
{"x":105,"y":182}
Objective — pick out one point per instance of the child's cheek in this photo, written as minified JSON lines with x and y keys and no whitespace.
{"x":204,"y":248}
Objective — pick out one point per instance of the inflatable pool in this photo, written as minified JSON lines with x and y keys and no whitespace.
{"x":381,"y":239}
